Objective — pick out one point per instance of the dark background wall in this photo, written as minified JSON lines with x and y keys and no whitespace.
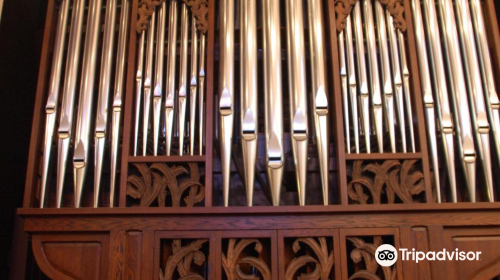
{"x":21,"y":32}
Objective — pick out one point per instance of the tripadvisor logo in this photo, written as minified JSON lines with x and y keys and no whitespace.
{"x":387,"y":255}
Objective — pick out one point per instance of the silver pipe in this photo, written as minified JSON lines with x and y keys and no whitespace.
{"x":297,"y":86}
{"x":158,"y":90}
{"x":374,"y":74}
{"x":386,"y":72}
{"x":83,"y":123}
{"x":459,"y":95}
{"x":441,"y":90}
{"x":121,"y":60}
{"x":397,"y":80}
{"x":172,"y":50}
{"x":101,"y":122}
{"x":148,"y":83}
{"x":476,"y":95}
{"x":273,"y":100}
{"x":54,"y":89}
{"x":202,"y":90}
{"x":427,"y":92}
{"x":249,"y":106}
{"x":193,"y":84}
{"x":344,"y":82}
{"x":319,"y":85}
{"x":353,"y":92}
{"x":490,"y":93}
{"x":69,"y":94}
{"x":226,"y":85}
{"x":138,"y":88}
{"x":183,"y":87}
{"x":406,"y":86}
{"x":363,"y":81}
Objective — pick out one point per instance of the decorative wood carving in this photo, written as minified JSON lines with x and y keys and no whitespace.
{"x":396,"y":8}
{"x":182,"y":259}
{"x":366,"y":252}
{"x":199,"y":8}
{"x":323,"y":260}
{"x":395,"y":178}
{"x":231,"y":263}
{"x":158,"y":180}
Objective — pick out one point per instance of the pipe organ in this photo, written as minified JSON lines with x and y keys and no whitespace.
{"x":230,"y":133}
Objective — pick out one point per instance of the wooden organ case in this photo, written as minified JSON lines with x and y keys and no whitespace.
{"x":265,"y":139}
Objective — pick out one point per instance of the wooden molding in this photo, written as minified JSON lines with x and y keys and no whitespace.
{"x":199,"y":8}
{"x":396,"y":8}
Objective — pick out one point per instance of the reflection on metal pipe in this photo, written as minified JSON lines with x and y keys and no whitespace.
{"x":69,"y":94}
{"x":193,"y":84}
{"x":374,"y":74}
{"x":183,"y":87}
{"x":386,"y":72}
{"x":427,"y":92}
{"x":476,"y":96}
{"x":148,"y":83}
{"x":352,"y":81}
{"x":345,"y":97}
{"x":297,"y":86}
{"x":226,"y":86}
{"x":273,"y":100}
{"x":158,"y":90}
{"x":406,"y":85}
{"x":138,"y":88}
{"x":82,"y":134}
{"x":54,"y":89}
{"x":441,"y":90}
{"x":459,"y":96}
{"x":121,"y":60}
{"x":398,"y":81}
{"x":318,"y":68}
{"x":363,"y":81}
{"x":101,"y":123}
{"x":170,"y":100}
{"x":490,"y":93}
{"x":249,"y":114}
{"x":202,"y":90}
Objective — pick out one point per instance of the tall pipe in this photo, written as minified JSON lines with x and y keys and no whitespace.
{"x":148,"y":81}
{"x":101,"y":122}
{"x":193,"y":85}
{"x":54,"y":89}
{"x":319,"y":94}
{"x":201,"y":96}
{"x":249,"y":107}
{"x":298,"y":97}
{"x":441,"y":90}
{"x":345,"y":90}
{"x":427,"y":92}
{"x":374,"y":74}
{"x":85,"y":103}
{"x":172,"y":50}
{"x":353,"y":91}
{"x":476,"y":96}
{"x":138,"y":88}
{"x":183,"y":76}
{"x":226,"y":87}
{"x":158,"y":90}
{"x":121,"y":60}
{"x":69,"y":94}
{"x":275,"y":157}
{"x":459,"y":95}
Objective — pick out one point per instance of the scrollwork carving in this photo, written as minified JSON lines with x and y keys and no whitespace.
{"x":396,"y":179}
{"x":199,"y":8}
{"x":396,"y":8}
{"x":366,"y":252}
{"x":323,"y":260}
{"x":232,"y":261}
{"x":158,"y":180}
{"x":182,"y":259}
